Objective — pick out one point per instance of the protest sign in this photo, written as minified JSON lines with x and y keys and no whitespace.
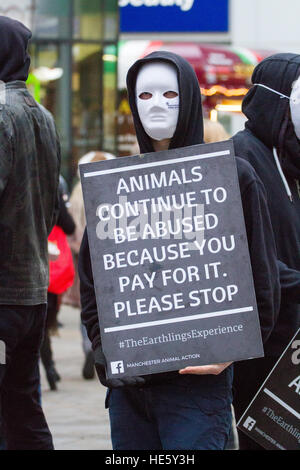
{"x":273,"y":417}
{"x":170,"y":260}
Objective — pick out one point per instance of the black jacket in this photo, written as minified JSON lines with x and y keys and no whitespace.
{"x":189,"y":131}
{"x":29,"y":173}
{"x":269,"y":126}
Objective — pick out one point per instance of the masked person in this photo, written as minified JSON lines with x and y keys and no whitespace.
{"x":190,"y":409}
{"x":270,"y":142}
{"x":29,"y":175}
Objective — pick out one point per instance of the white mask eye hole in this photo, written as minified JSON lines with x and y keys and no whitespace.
{"x":170,"y":94}
{"x":145,"y":95}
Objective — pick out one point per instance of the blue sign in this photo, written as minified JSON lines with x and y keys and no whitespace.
{"x":169,"y":16}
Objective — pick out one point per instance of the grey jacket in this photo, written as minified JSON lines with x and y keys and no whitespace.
{"x":29,"y":175}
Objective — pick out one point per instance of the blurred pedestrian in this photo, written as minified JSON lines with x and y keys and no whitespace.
{"x":190,"y":409}
{"x":270,"y":142}
{"x":62,"y":275}
{"x":214,"y":131}
{"x":72,"y":296}
{"x":29,"y":173}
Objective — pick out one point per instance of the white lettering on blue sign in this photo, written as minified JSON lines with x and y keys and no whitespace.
{"x":184,"y":5}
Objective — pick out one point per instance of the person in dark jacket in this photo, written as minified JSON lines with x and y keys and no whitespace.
{"x":190,"y":409}
{"x":29,"y":174}
{"x":66,"y":223}
{"x":269,"y":142}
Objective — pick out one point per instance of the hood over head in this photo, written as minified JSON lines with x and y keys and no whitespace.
{"x":268,"y":111}
{"x":14,"y":58}
{"x":189,"y":130}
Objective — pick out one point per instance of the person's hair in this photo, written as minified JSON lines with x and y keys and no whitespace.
{"x":214,"y":131}
{"x":94,"y":156}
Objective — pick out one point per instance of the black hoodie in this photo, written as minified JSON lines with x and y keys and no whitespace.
{"x":189,"y":131}
{"x":14,"y":58}
{"x":269,"y":126}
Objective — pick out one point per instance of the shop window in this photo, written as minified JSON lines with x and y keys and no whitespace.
{"x":109,"y":97}
{"x":111,"y":19}
{"x":88,"y":19}
{"x":73,"y":70}
{"x":51,"y":19}
{"x":49,"y":82}
{"x":86,"y":100}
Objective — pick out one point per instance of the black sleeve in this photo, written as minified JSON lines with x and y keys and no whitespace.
{"x":290,"y":283}
{"x":263,"y":256}
{"x":89,"y":313}
{"x":65,"y":220}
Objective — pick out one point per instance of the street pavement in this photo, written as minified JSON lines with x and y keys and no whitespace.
{"x":75,"y":412}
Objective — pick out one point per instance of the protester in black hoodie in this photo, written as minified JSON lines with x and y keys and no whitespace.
{"x":29,"y":173}
{"x":190,"y":409}
{"x":270,"y":144}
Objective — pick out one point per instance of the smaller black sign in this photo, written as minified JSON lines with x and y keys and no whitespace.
{"x":273,"y":417}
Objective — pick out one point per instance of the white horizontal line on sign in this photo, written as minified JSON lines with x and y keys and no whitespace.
{"x":282,"y":403}
{"x":158,"y":163}
{"x":177,"y":320}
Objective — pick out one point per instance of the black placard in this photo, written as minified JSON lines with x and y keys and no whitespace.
{"x":170,"y":260}
{"x":273,"y":417}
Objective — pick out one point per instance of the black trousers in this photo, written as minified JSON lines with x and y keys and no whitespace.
{"x":248,"y":378}
{"x":51,"y":323}
{"x":24,"y":423}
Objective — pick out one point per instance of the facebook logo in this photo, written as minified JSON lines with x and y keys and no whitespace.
{"x":117,"y":367}
{"x":249,"y":423}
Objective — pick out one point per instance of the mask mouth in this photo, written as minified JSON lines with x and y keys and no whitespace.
{"x":157,"y":117}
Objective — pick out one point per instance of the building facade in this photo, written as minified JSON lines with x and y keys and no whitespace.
{"x":74,"y":70}
{"x":222,"y":39}
{"x":81,"y":51}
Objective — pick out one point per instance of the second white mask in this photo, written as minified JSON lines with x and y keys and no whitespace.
{"x":157,"y":99}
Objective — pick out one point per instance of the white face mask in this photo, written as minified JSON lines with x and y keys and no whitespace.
{"x":295,"y":107}
{"x":157,"y":99}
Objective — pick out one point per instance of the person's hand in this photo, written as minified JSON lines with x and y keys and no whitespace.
{"x":100,"y":366}
{"x":214,"y":369}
